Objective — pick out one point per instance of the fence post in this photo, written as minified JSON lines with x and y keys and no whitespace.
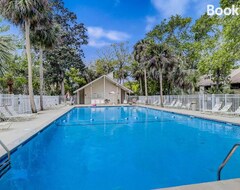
{"x":203,"y":102}
{"x":12,"y":100}
{"x":20,"y":103}
{"x":213,"y":100}
{"x":199,"y":102}
{"x":225,"y":99}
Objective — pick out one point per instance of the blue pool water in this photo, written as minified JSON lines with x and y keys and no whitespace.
{"x":120,"y":148}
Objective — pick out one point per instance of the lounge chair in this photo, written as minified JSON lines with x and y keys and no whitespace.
{"x":226,"y":108}
{"x":172,"y":104}
{"x":178,"y":104}
{"x":9,"y":114}
{"x":138,"y":102}
{"x":14,"y":113}
{"x":5,"y":125}
{"x":165,"y":102}
{"x":187,"y":106}
{"x":216,"y":108}
{"x":156,"y":103}
{"x":237,"y":111}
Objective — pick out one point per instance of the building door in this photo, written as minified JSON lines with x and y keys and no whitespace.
{"x":82,"y":97}
{"x":122,"y":96}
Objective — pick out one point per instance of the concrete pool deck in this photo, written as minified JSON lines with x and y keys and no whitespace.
{"x":233,"y":119}
{"x":21,"y":131}
{"x":233,"y":184}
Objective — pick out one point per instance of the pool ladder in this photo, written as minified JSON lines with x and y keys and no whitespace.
{"x":5,"y":164}
{"x":229,"y":155}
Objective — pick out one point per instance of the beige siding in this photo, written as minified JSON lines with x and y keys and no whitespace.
{"x":98,"y":92}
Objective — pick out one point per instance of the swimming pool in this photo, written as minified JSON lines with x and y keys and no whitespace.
{"x":123,"y":148}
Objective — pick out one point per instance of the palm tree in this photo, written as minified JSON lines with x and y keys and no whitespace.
{"x":140,"y":55}
{"x":43,"y":37}
{"x":138,"y":74}
{"x":6,"y":46}
{"x":23,"y":13}
{"x":161,"y":59}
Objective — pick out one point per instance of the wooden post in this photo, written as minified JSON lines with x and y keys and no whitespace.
{"x":78,"y":97}
{"x":91,"y":95}
{"x":117,"y":95}
{"x":104,"y":87}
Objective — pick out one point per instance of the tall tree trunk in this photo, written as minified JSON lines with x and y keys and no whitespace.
{"x":141,"y":86}
{"x":28,"y":51}
{"x":63,"y":87}
{"x":169,"y":89}
{"x":161,"y":87}
{"x":145,"y":81}
{"x":41,"y":77}
{"x":218,"y":81}
{"x":10,"y":88}
{"x":193,"y":88}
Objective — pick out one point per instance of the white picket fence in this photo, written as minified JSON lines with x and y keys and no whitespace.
{"x":21,"y":103}
{"x":199,"y":102}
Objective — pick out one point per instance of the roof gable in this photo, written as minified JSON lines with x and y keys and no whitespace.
{"x":107,"y":78}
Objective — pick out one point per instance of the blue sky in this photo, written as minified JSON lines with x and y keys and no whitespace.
{"x":112,"y":21}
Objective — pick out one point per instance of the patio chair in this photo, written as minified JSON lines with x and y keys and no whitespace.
{"x":156,"y":103}
{"x":216,"y":108}
{"x":178,"y":104}
{"x":5,"y":125}
{"x":165,"y":102}
{"x":14,"y":113}
{"x":14,"y":116}
{"x":226,"y":108}
{"x":137,"y":102}
{"x":236,"y":112}
{"x":187,"y":106}
{"x":172,"y":104}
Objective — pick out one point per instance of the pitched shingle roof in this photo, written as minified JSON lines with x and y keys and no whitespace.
{"x":234,"y":77}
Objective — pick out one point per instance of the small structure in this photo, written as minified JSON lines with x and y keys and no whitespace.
{"x":102,"y":90}
{"x":234,"y":78}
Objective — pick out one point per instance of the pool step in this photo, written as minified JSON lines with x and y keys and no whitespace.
{"x":5,"y":165}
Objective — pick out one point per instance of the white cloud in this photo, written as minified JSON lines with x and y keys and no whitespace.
{"x":97,"y":44}
{"x":151,"y":22}
{"x":98,"y":32}
{"x":167,"y":8}
{"x":201,"y":6}
{"x":100,"y":37}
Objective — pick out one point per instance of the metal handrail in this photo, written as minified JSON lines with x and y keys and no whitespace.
{"x":5,"y":148}
{"x":229,"y":155}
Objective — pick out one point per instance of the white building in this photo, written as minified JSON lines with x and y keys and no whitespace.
{"x":102,"y":89}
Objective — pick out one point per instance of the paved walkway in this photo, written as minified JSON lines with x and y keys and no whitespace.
{"x":220,"y":185}
{"x":21,"y":131}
